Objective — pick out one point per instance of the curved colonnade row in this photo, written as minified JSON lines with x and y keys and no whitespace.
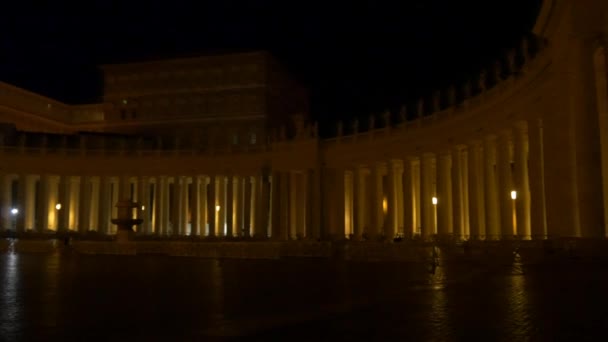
{"x":526,"y":159}
{"x":462,"y":190}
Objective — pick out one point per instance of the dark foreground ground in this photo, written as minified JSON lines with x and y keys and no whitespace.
{"x":65,"y":296}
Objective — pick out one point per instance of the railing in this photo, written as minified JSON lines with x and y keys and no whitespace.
{"x":210,"y":151}
{"x":530,"y":69}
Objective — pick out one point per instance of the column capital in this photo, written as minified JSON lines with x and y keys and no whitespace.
{"x":490,"y":137}
{"x":520,"y":126}
{"x":506,"y":133}
{"x":459,"y":147}
{"x":428,"y":157}
{"x":445,"y":154}
{"x":396,"y":162}
{"x":381,"y":166}
{"x":476,"y":143}
{"x":413,"y":160}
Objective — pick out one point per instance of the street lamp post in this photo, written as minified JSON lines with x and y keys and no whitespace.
{"x":513,"y":198}
{"x":434,"y":201}
{"x":14,"y":212}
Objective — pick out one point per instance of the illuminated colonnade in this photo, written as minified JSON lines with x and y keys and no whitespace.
{"x":480,"y":190}
{"x":522,"y":153}
{"x":199,"y":205}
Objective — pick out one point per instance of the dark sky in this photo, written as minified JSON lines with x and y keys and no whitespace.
{"x":355,"y":58}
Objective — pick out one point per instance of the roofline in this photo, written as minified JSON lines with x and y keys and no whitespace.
{"x":181,"y":60}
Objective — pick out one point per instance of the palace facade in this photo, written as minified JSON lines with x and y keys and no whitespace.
{"x":222,"y":146}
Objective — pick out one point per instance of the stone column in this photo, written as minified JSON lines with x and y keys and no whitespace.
{"x":263,"y":206}
{"x":337,"y":204}
{"x":538,"y":218}
{"x":184,"y":207}
{"x":248,"y":203}
{"x":417,"y":195}
{"x":427,"y":175}
{"x":30,"y":202}
{"x":220,"y":202}
{"x":491,"y":195}
{"x":229,"y":206}
{"x":275,"y":200}
{"x":145,"y":209}
{"x":464,"y":176}
{"x":444,"y":195}
{"x":256,"y":206}
{"x":477,"y":206}
{"x":94,"y":208}
{"x":74,"y":205}
{"x":104,"y":205}
{"x":400,"y":215}
{"x":391,"y":201}
{"x":42,"y":205}
{"x":84,"y":205}
{"x":64,"y":200}
{"x":21,"y":203}
{"x":194,"y":205}
{"x":204,"y":206}
{"x":114,"y":198}
{"x":348,"y":203}
{"x":359,"y":202}
{"x":211,"y":205}
{"x":505,"y":186}
{"x":601,"y":103}
{"x":178,"y":205}
{"x":409,"y":226}
{"x":159,"y":208}
{"x":376,"y":199}
{"x":315,"y":202}
{"x":302,"y":208}
{"x":283,"y":206}
{"x":6,"y":202}
{"x":49,"y":198}
{"x":457,"y":193}
{"x":521,"y":185}
{"x":238,"y":208}
{"x":175,"y":197}
{"x":293,"y":204}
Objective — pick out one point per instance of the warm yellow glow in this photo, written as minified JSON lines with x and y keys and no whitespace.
{"x":143,"y":207}
{"x":434,"y":199}
{"x":384,"y":205}
{"x":514,"y":215}
{"x":58,"y":206}
{"x":217,"y":208}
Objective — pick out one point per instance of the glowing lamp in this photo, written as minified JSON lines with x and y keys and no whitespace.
{"x":58,"y":206}
{"x":14,"y":211}
{"x":513,"y":195}
{"x":217,"y":208}
{"x":434,"y":200}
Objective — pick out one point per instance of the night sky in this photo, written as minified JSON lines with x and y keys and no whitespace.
{"x":356,"y":59}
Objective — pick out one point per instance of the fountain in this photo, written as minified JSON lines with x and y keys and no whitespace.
{"x":125,"y":220}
